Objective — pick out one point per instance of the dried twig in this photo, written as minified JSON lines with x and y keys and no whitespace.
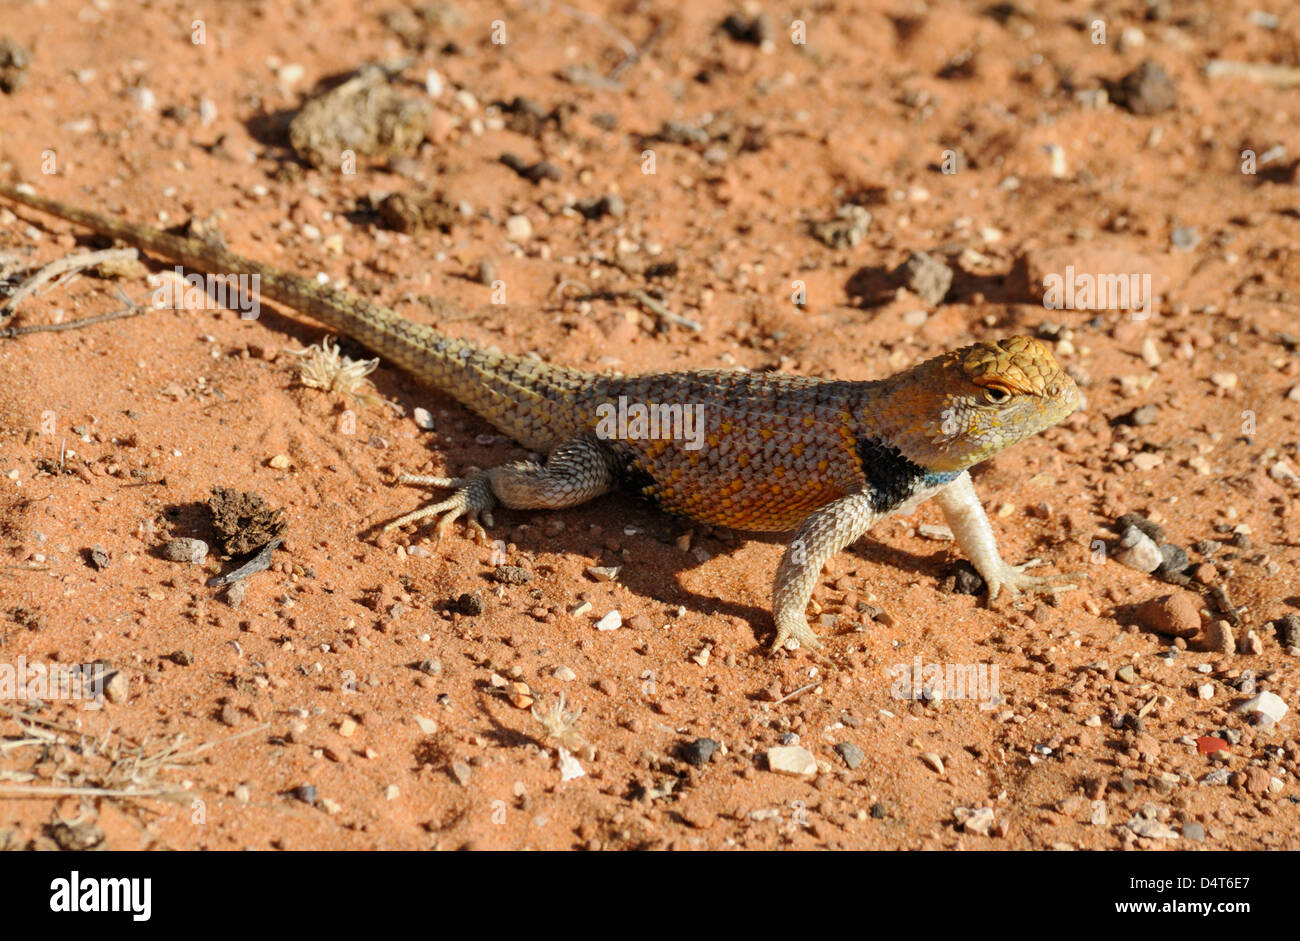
{"x":77,"y":262}
{"x":658,"y":308}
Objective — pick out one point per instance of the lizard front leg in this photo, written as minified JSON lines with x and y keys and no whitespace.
{"x":825,"y":532}
{"x":970,"y":526}
{"x":575,"y":472}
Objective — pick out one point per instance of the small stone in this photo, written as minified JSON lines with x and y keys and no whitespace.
{"x":1173,"y":615}
{"x":1255,"y":780}
{"x":1288,"y":630}
{"x":926,"y":276}
{"x":1138,"y":551}
{"x":978,"y":821}
{"x":519,"y":229}
{"x":193,"y":551}
{"x":470,"y":603}
{"x":1209,"y":744}
{"x":99,"y":557}
{"x":791,"y":759}
{"x":511,"y":575}
{"x":1173,"y":560}
{"x":699,"y":752}
{"x":1152,"y":530}
{"x":1266,"y":709}
{"x":1185,"y":238}
{"x":461,"y":772}
{"x":851,"y":754}
{"x":116,"y":689}
{"x":1146,"y":90}
{"x":933,"y":761}
{"x":1219,"y":638}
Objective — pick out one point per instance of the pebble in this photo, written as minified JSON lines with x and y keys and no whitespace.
{"x":933,"y":760}
{"x":1266,"y":708}
{"x":978,"y":821}
{"x":1146,"y":90}
{"x":1138,"y":551}
{"x":926,"y":276}
{"x":699,"y":752}
{"x":193,"y":551}
{"x":1173,"y":559}
{"x":519,"y":229}
{"x":1185,"y":238}
{"x":1153,"y":530}
{"x":116,"y":689}
{"x":851,"y":754}
{"x":791,"y":759}
{"x":1288,"y":630}
{"x":1209,"y":744}
{"x":1219,"y":638}
{"x":1173,"y":615}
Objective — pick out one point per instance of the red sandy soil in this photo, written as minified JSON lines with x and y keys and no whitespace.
{"x":114,"y":435}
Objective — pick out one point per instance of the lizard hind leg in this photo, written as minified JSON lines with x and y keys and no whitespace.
{"x":579,"y":470}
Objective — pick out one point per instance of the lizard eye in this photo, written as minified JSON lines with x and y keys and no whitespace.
{"x":996,"y":394}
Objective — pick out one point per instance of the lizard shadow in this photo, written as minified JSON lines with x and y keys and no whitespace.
{"x":653,"y":571}
{"x":875,"y":286}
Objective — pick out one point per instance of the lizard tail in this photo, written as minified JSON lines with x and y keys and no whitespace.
{"x":522,"y":397}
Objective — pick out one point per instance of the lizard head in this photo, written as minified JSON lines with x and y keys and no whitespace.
{"x":963,"y":407}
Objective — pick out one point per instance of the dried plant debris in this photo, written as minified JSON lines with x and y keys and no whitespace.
{"x":560,"y":725}
{"x":412,"y":215}
{"x":244,"y":521}
{"x":324,"y":367}
{"x":365,"y":116}
{"x":846,"y":230}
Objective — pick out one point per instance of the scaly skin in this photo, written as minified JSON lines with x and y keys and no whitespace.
{"x":769,"y":453}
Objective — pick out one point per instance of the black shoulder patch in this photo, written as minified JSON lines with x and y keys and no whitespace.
{"x":893,"y":478}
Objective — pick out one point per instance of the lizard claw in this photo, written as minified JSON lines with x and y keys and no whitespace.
{"x":797,"y":629}
{"x":1014,"y":579}
{"x":472,"y":499}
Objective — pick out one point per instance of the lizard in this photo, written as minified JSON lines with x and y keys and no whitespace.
{"x":769,"y":453}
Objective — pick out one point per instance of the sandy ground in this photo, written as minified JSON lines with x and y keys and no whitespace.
{"x":353,"y":700}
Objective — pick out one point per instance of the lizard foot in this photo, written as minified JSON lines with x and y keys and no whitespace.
{"x":799,"y":630}
{"x":1015,"y":580}
{"x":472,"y":499}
